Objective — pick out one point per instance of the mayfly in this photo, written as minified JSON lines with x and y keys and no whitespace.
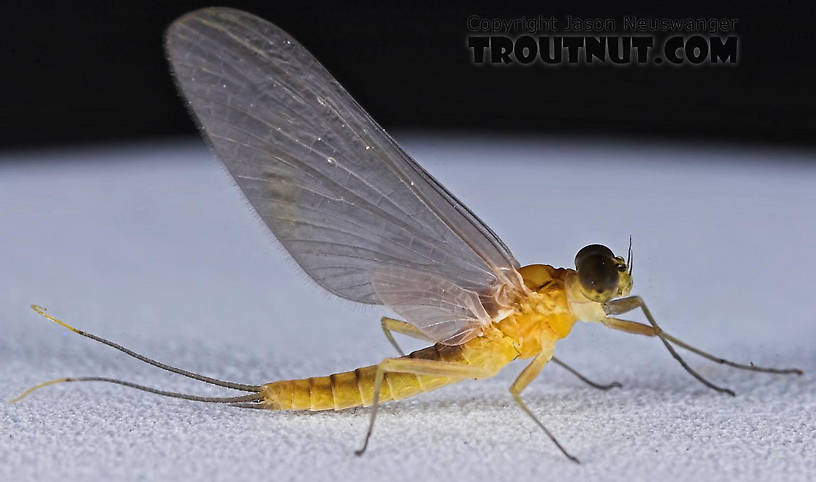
{"x":368,"y":224}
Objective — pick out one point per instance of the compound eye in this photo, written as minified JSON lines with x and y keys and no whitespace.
{"x":597,"y":272}
{"x":593,"y":250}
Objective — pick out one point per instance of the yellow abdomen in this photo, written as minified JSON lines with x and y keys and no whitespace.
{"x":356,"y":388}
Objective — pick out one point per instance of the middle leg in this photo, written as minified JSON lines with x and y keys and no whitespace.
{"x":528,"y":375}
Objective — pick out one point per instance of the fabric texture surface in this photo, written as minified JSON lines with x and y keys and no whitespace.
{"x":152,"y":246}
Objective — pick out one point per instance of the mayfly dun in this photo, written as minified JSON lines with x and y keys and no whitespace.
{"x":368,"y":224}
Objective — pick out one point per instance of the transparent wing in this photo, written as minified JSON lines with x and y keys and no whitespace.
{"x":442,"y":310}
{"x":336,"y":190}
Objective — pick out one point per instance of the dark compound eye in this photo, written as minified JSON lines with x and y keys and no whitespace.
{"x":593,"y":250}
{"x":597,"y":272}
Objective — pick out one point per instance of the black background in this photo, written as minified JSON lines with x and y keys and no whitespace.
{"x":95,"y":72}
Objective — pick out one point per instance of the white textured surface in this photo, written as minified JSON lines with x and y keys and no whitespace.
{"x":154,"y":248}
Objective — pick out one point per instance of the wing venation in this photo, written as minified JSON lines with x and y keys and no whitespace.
{"x":338,"y":192}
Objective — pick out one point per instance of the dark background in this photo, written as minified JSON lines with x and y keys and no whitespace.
{"x":95,"y":72}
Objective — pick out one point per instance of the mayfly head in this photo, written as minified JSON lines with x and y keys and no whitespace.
{"x":602,"y":275}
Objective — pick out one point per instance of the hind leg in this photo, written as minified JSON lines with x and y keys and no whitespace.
{"x":413,"y":366}
{"x":390,"y":325}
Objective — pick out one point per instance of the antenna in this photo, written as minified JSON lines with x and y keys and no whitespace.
{"x":629,"y":258}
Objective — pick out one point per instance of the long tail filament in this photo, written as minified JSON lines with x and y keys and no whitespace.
{"x":243,"y":400}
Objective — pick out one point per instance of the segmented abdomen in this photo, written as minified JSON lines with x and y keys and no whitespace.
{"x":356,"y":388}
